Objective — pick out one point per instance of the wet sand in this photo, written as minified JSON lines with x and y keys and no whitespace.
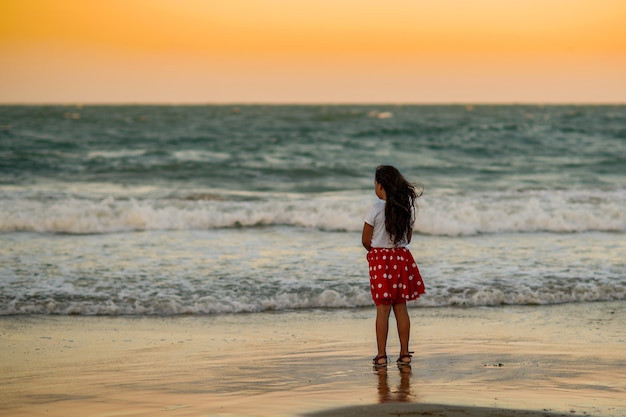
{"x":506,"y":361}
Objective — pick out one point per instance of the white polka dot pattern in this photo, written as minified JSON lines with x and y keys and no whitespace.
{"x":394,"y":275}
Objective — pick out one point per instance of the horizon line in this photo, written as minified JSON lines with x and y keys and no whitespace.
{"x":315,"y":103}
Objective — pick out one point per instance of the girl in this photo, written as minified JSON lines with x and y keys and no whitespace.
{"x":394,"y":275}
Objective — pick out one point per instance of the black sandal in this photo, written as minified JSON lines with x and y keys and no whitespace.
{"x":380,"y":365}
{"x":401,"y":362}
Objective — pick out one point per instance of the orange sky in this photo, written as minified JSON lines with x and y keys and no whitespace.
{"x":315,"y":51}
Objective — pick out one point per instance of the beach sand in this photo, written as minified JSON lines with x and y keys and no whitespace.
{"x":504,"y":361}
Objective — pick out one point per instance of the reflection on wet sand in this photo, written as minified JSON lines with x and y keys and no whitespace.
{"x":402,"y":392}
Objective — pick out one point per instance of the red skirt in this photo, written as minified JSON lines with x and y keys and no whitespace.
{"x":394,"y":276}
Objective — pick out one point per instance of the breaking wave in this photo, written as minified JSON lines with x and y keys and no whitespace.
{"x":448,"y":215}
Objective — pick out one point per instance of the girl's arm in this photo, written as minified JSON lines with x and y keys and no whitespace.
{"x":366,"y":237}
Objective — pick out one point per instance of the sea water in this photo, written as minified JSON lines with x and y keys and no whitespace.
{"x":167,"y":210}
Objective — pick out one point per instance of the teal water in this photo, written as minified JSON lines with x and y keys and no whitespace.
{"x":314,"y":149}
{"x":211,"y":209}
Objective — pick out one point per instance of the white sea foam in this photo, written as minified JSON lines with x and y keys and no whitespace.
{"x":281,"y":268}
{"x":451,"y":215}
{"x":201,"y":156}
{"x":222,"y":301}
{"x":530,"y":211}
{"x":127,"y":153}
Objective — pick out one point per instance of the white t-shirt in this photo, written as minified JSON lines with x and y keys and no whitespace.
{"x":380,"y":238}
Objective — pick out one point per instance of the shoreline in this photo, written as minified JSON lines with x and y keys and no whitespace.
{"x":565,"y":359}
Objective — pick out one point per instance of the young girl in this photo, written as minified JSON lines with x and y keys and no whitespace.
{"x":394,"y":275}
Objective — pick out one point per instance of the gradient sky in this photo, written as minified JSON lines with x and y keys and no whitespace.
{"x":312,"y":51}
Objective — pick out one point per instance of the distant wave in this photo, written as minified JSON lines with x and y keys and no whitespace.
{"x":448,"y":215}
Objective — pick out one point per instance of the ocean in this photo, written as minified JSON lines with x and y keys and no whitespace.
{"x":205,"y":210}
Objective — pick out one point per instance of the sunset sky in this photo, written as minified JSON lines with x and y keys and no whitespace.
{"x":312,"y":51}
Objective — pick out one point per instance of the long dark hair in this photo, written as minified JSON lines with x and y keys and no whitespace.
{"x":401,"y":196}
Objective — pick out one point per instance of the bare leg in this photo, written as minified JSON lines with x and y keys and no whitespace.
{"x":404,"y":327}
{"x":382,"y":328}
